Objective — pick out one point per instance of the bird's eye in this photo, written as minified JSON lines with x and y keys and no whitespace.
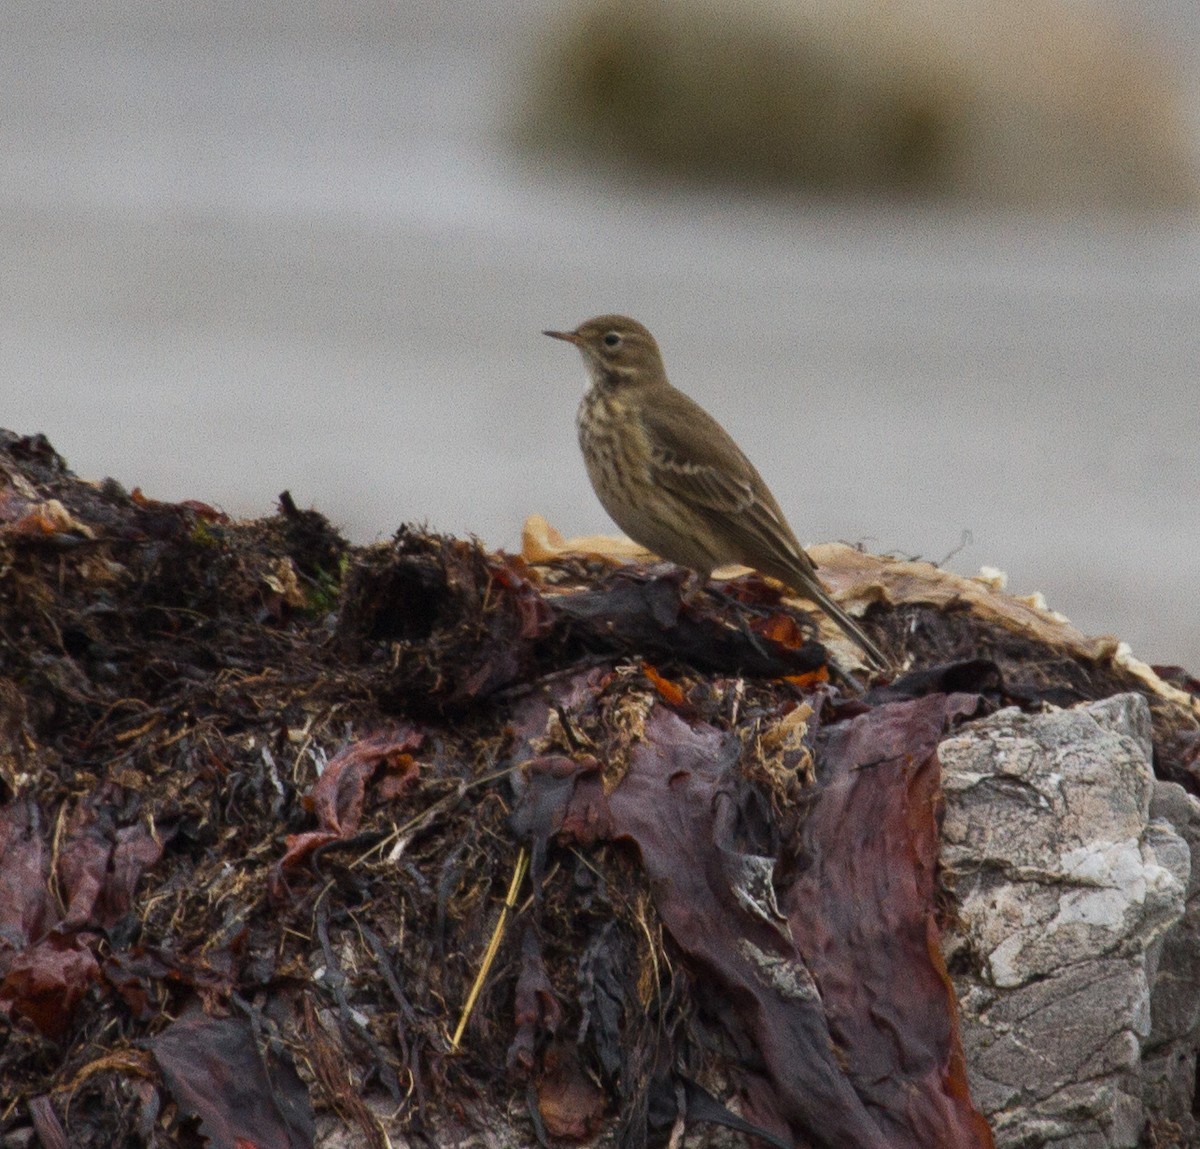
{"x":612,"y":339}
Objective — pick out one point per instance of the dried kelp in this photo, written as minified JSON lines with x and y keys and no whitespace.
{"x":262,"y":796}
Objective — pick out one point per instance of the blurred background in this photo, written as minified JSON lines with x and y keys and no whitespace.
{"x":937,"y":269}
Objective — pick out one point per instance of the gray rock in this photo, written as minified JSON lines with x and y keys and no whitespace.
{"x":1169,"y":1070}
{"x":1076,"y":965}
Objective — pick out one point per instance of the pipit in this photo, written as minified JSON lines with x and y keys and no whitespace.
{"x":673,"y":479}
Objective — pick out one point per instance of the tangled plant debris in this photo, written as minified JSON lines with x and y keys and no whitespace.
{"x":262,"y":795}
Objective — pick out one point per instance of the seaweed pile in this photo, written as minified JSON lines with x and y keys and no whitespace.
{"x":266,"y":799}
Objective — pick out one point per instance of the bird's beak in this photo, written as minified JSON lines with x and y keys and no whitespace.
{"x":567,"y":336}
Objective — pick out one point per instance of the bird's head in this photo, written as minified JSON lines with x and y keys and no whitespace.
{"x":617,"y":350}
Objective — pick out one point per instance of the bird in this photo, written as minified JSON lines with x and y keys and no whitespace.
{"x":673,"y":479}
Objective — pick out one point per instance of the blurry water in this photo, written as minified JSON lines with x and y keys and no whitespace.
{"x":250,"y":247}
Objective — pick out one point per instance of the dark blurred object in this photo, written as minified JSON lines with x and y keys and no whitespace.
{"x":1035,"y":104}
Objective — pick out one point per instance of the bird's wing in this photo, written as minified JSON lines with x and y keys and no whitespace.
{"x":693,"y":457}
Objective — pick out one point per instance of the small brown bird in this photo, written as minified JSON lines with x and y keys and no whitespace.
{"x":672,"y":478}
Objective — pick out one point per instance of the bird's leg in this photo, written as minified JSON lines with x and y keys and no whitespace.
{"x":844,"y":678}
{"x":696,"y":583}
{"x":742,"y":609}
{"x":692,"y":587}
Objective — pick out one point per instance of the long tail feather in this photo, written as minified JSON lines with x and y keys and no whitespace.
{"x":812,"y":589}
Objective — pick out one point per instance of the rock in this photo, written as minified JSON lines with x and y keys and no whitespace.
{"x":1075,"y":956}
{"x":1040,"y":103}
{"x":1169,"y":1061}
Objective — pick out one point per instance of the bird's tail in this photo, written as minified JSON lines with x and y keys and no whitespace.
{"x":813,"y":589}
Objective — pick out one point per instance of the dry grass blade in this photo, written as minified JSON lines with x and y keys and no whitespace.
{"x":510,"y":904}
